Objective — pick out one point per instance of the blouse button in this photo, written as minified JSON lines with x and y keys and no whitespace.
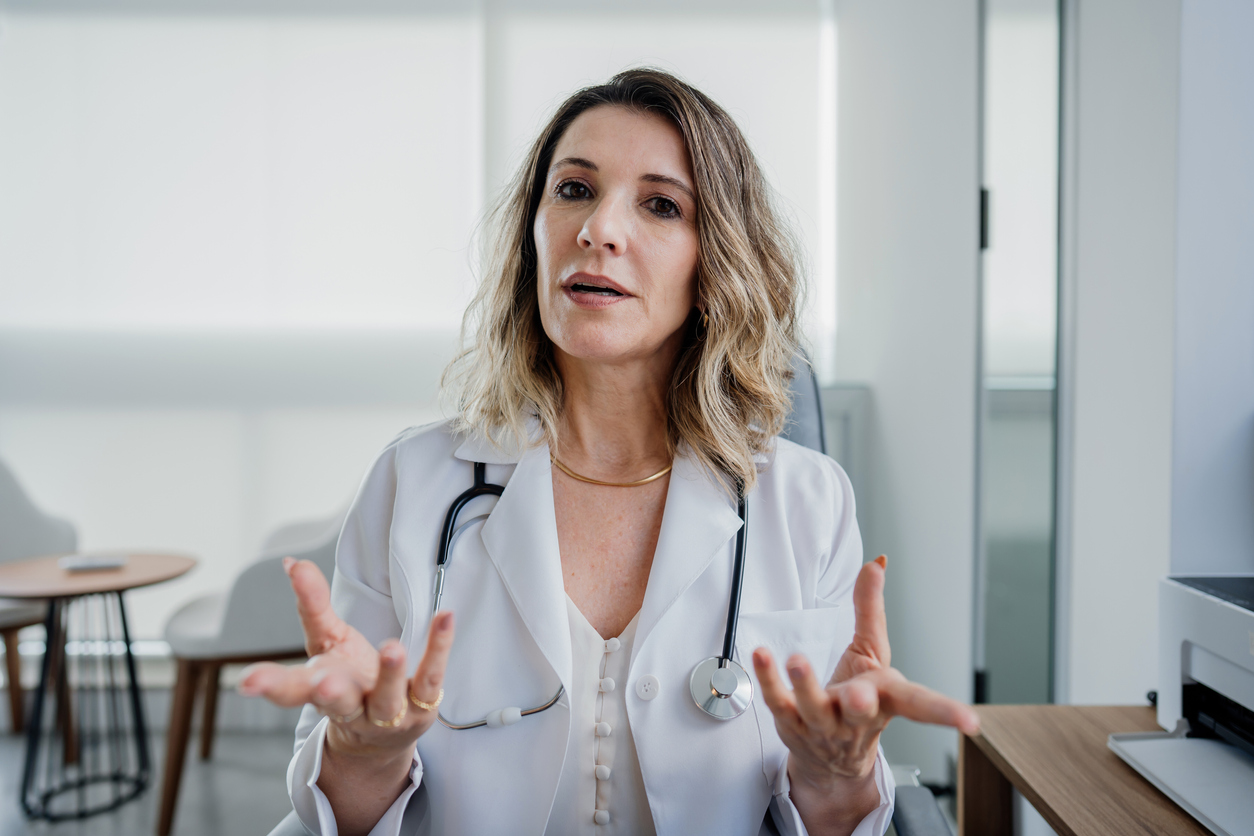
{"x":603,"y":730}
{"x":601,"y":817}
{"x":603,"y":772}
{"x":607,"y":685}
{"x":612,"y":645}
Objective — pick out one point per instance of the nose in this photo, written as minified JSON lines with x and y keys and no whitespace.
{"x":606,"y":228}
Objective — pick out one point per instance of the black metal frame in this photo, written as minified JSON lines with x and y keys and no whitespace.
{"x":88,"y":730}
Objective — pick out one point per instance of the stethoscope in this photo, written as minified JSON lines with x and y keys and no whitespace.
{"x":719,"y":685}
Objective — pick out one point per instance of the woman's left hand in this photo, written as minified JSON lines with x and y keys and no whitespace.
{"x":832,"y":733}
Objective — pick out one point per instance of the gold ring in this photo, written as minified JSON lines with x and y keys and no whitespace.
{"x":347,"y":718}
{"x":426,"y":706}
{"x":394,"y":722}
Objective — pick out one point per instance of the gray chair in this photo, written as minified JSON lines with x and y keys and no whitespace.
{"x":25,"y":531}
{"x":916,"y":812}
{"x":255,"y":621}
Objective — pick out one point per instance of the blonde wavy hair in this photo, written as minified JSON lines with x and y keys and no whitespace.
{"x":729,"y":392}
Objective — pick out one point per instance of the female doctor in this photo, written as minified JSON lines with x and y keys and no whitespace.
{"x":626,"y":382}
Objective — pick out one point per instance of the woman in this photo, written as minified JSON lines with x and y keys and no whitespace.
{"x":626,"y":384}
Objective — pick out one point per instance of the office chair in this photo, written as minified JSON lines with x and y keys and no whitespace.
{"x":25,"y":531}
{"x":255,"y":621}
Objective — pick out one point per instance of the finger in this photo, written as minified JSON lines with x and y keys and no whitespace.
{"x":859,"y":702}
{"x":323,"y":628}
{"x":870,"y":624}
{"x":774,"y":692}
{"x":902,"y":698}
{"x":335,"y":693}
{"x":429,"y":677}
{"x":388,"y":701}
{"x":280,"y":684}
{"x":814,"y":704}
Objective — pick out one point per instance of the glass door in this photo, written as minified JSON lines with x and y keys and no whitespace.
{"x":1015,"y":533}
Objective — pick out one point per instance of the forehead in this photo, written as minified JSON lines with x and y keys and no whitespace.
{"x":615,"y":137}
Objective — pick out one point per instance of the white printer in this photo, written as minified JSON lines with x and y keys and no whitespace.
{"x":1205,"y":759}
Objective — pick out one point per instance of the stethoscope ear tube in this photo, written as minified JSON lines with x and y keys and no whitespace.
{"x":738,"y":582}
{"x":719,"y":685}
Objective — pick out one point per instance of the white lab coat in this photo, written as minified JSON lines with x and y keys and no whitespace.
{"x":512,"y":645}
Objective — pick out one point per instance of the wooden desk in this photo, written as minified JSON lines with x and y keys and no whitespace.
{"x":1056,"y":756}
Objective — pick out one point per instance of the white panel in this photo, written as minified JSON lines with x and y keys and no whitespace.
{"x":222,"y":171}
{"x":908,"y":308}
{"x":1212,"y":525}
{"x":1119,"y":369}
{"x":1021,"y":173}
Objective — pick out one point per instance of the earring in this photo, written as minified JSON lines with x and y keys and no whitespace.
{"x":703,"y":326}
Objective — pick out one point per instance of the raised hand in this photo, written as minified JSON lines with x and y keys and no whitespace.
{"x":377,"y":713}
{"x":832,"y":732}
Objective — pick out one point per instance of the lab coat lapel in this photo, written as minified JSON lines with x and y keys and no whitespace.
{"x":698,"y":521}
{"x":521,"y":539}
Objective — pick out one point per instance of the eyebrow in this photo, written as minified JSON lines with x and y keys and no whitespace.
{"x":580,"y":162}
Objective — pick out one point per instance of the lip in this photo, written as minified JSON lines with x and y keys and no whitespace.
{"x":591,"y":301}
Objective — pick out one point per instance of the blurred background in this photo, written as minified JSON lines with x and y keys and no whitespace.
{"x":236,"y":240}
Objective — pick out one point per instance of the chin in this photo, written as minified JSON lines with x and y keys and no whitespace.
{"x":598,"y":343}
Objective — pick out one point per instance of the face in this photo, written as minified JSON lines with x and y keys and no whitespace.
{"x":616,"y":239}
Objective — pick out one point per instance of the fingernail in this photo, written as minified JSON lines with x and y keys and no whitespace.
{"x":316,"y":679}
{"x":796,"y":671}
{"x":288,"y":563}
{"x":882,"y":560}
{"x":245,"y":685}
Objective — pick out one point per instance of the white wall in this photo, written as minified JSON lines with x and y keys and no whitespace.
{"x":1119,"y":189}
{"x":908,"y":143}
{"x":1212,"y":513}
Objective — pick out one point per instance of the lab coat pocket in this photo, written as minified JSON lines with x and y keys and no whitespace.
{"x":817,"y":634}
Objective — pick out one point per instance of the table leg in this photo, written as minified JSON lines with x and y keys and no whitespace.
{"x":984,"y":794}
{"x":60,"y":679}
{"x":13,"y":662}
{"x":52,"y":636}
{"x":101,"y":759}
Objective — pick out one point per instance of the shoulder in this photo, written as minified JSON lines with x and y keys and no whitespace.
{"x":415,"y":456}
{"x":804,"y":478}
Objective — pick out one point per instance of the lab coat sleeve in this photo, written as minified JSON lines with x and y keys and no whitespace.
{"x":788,"y":820}
{"x":837,"y":571}
{"x":361,"y":595}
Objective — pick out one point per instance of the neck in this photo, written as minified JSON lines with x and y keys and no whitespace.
{"x":613,"y":421}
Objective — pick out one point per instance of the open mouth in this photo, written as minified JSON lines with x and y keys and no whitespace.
{"x":597,"y":290}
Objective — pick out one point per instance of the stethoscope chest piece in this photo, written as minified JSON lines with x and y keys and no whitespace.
{"x":721,"y":688}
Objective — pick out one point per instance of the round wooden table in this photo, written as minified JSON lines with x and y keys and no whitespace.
{"x":90,"y":755}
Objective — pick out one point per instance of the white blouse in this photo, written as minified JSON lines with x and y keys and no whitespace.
{"x":600,"y":791}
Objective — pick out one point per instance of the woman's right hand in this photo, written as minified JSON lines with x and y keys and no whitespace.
{"x":363,"y":689}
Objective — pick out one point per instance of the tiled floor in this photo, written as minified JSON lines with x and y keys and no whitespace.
{"x":239,"y":793}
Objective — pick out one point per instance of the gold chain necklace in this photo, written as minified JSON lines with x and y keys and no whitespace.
{"x":572,"y":474}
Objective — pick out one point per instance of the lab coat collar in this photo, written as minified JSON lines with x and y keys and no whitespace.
{"x":478,"y":448}
{"x":521,"y":539}
{"x":699,"y":519}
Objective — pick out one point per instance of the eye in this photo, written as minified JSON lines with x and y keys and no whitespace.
{"x":572,"y":190}
{"x":663,"y":207}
